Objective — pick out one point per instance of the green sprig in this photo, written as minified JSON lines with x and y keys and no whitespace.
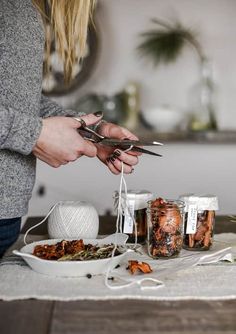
{"x":166,"y":43}
{"x":233,"y":219}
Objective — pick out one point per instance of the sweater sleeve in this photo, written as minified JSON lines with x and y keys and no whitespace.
{"x":21,"y":57}
{"x":18,"y":132}
{"x":19,"y":126}
{"x":50,"y":108}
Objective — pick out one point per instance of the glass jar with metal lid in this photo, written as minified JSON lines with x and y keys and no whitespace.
{"x":134,"y":204}
{"x":165,"y":228}
{"x":199,"y":221}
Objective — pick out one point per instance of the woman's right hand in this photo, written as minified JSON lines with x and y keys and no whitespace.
{"x":59,"y":141}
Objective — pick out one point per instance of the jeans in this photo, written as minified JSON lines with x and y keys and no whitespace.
{"x":9,"y":232}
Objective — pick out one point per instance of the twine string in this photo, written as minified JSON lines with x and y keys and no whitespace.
{"x":121,"y":205}
{"x":41,"y":222}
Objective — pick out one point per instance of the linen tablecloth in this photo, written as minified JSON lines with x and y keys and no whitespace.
{"x":193,"y":275}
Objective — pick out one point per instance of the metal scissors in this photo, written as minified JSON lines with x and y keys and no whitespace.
{"x":123,"y":144}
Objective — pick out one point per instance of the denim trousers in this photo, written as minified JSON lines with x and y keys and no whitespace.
{"x":9,"y":232}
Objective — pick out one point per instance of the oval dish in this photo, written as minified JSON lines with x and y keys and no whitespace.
{"x":73,"y":268}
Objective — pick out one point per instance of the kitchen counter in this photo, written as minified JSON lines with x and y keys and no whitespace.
{"x":209,"y":137}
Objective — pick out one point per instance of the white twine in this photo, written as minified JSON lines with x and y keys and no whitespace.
{"x":73,"y":219}
{"x":70,"y":219}
{"x":120,"y":212}
{"x":41,"y":222}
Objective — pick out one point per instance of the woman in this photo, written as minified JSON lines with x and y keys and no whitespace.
{"x":32,"y":126}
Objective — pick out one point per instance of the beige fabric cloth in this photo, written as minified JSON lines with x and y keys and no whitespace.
{"x":194,"y":275}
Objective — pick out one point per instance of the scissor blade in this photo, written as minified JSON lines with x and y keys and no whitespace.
{"x":142,"y":150}
{"x":118,"y":142}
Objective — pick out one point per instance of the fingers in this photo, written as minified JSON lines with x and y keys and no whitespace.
{"x":89,"y":149}
{"x":128,"y":159}
{"x":89,"y":119}
{"x":112,"y":168}
{"x":60,"y":143}
{"x":115,"y":160}
{"x":115,"y":166}
{"x":114,"y":131}
{"x":86,"y":147}
{"x":128,"y":135}
{"x":136,"y":154}
{"x":52,"y":160}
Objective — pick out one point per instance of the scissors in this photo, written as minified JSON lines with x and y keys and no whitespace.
{"x":123,"y":144}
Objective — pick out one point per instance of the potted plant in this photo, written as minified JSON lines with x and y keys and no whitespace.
{"x":164,"y":44}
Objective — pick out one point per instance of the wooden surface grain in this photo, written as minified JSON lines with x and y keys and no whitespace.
{"x":26,"y":316}
{"x":113,"y":316}
{"x":144,"y":317}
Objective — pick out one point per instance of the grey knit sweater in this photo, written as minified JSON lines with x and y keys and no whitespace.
{"x":22,"y":106}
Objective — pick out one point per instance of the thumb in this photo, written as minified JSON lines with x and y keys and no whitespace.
{"x":91,"y":119}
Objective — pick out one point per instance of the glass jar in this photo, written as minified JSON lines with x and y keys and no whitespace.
{"x":203,"y":100}
{"x":165,"y":227}
{"x":199,"y":221}
{"x":134,"y":222}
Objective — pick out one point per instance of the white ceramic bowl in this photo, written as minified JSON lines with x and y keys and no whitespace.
{"x":73,"y":268}
{"x":163,"y":119}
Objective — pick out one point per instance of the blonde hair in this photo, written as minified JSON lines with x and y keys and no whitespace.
{"x":66,"y":22}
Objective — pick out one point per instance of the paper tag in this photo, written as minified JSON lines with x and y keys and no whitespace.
{"x":192,"y":219}
{"x":129,"y":218}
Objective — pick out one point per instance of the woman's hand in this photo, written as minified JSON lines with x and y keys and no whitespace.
{"x":60,"y":142}
{"x":113,"y":158}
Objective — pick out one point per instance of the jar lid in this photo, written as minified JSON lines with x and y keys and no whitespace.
{"x":139,"y":197}
{"x":203,"y":202}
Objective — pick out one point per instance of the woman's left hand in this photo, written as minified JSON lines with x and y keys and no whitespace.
{"x":113,"y":158}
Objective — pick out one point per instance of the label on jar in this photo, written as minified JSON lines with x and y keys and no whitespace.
{"x":192,"y":219}
{"x":129,"y":218}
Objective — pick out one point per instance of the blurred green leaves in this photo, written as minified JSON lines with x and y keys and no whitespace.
{"x":165,"y":43}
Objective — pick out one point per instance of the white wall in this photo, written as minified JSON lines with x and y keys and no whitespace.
{"x":184,"y":168}
{"x":120,"y":22}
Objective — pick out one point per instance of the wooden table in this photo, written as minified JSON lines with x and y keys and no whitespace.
{"x":125,"y":316}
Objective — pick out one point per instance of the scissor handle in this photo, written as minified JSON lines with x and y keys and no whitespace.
{"x":94,"y":136}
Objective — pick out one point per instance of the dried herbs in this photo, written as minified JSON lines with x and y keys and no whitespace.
{"x":74,"y":250}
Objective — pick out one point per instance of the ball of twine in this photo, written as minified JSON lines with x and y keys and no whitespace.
{"x":70,"y":219}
